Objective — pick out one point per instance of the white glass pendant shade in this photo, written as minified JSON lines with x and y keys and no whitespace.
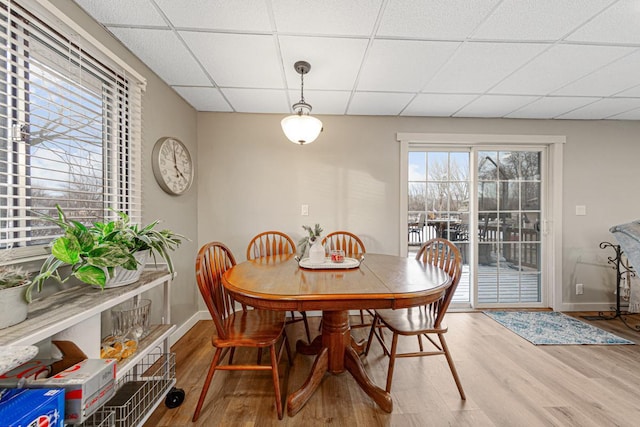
{"x":301,"y":128}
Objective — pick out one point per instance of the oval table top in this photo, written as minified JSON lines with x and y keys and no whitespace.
{"x":381,"y":281}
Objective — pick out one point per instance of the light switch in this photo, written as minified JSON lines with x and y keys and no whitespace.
{"x":305,"y":210}
{"x":581,"y":210}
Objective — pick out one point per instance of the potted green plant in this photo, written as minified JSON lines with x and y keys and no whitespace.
{"x":313,"y":241}
{"x":102,"y":251}
{"x":13,"y":283}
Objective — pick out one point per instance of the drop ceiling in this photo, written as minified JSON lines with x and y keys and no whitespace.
{"x":538,"y":59}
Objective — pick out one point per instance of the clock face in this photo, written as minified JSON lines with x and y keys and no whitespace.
{"x":172,"y":166}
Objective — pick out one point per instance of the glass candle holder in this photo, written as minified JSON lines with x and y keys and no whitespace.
{"x":337,"y":256}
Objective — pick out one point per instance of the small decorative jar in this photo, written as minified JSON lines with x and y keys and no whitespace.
{"x":337,"y":256}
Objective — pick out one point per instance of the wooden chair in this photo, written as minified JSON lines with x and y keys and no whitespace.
{"x":274,"y":243}
{"x":343,"y":240}
{"x":353,"y":248}
{"x":424,"y":320}
{"x":242,"y":328}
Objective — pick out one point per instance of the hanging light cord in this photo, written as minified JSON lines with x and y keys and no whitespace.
{"x":301,"y":92}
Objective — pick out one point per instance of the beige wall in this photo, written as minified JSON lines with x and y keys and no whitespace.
{"x":251,"y":179}
{"x":164,"y":114}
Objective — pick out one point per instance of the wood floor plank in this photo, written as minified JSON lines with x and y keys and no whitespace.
{"x":508,"y":382}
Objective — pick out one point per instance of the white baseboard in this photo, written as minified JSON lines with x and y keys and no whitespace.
{"x":190,"y":323}
{"x":587,"y":306}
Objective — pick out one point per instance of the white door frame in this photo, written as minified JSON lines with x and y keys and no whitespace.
{"x":551,"y":225}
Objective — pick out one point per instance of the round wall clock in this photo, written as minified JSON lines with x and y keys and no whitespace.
{"x":172,"y":166}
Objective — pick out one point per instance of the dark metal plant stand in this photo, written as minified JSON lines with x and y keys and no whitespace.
{"x":622,"y":268}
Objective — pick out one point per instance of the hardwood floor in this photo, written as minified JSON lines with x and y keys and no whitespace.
{"x":507,"y":380}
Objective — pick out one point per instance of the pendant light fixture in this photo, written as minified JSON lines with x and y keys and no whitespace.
{"x":301,"y":128}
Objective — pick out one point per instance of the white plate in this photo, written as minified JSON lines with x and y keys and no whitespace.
{"x":329,"y":265}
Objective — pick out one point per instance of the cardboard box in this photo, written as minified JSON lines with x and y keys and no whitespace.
{"x":88,"y":385}
{"x":26,"y":407}
{"x":71,"y":354}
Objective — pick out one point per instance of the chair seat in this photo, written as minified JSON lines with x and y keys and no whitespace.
{"x":252,"y":328}
{"x":410,"y":321}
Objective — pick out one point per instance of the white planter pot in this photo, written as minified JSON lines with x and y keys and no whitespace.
{"x":13,"y":307}
{"x":122,"y":276}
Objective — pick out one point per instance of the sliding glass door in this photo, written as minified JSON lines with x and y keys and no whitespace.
{"x":489,"y":203}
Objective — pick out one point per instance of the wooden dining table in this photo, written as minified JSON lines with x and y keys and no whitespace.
{"x":380,"y":281}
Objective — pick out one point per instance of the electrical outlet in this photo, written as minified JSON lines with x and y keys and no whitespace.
{"x":304,"y":211}
{"x":579,"y":289}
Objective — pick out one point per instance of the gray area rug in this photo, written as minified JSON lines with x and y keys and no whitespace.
{"x":553,"y":328}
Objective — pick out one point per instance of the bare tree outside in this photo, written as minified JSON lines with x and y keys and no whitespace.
{"x":65,"y":153}
{"x":444,"y":190}
{"x":438,"y":195}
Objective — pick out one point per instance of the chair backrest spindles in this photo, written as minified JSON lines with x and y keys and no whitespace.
{"x":445,"y":255}
{"x":270,"y":243}
{"x":343,"y":240}
{"x":212,"y":261}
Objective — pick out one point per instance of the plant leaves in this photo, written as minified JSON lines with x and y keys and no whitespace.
{"x":95,"y":250}
{"x":91,"y":275}
{"x":85,"y":240}
{"x":66,"y":249}
{"x":132,"y":264}
{"x":108,"y":256}
{"x":47,"y":270}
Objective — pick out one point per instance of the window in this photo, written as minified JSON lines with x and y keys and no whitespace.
{"x":70,"y":126}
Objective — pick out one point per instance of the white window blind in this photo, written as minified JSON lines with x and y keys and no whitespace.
{"x":70,"y":129}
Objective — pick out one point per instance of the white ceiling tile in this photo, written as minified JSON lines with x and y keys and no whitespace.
{"x":603,"y":109}
{"x":237,"y":60}
{"x":618,"y":24}
{"x":538,"y":59}
{"x":549,"y":107}
{"x":428,"y":104}
{"x":335,"y":17}
{"x":378,"y":103}
{"x":609,"y":80}
{"x":629,"y":115}
{"x":335,"y":62}
{"x":395,"y":65}
{"x":203,"y":98}
{"x":450,"y":19}
{"x":537,"y":20}
{"x":494,"y":106}
{"x":238,"y":15}
{"x":123,"y":12}
{"x":257,"y":100}
{"x":633,"y":92}
{"x":322,"y":102}
{"x":165,"y":54}
{"x":476,"y":67}
{"x":557,"y":67}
